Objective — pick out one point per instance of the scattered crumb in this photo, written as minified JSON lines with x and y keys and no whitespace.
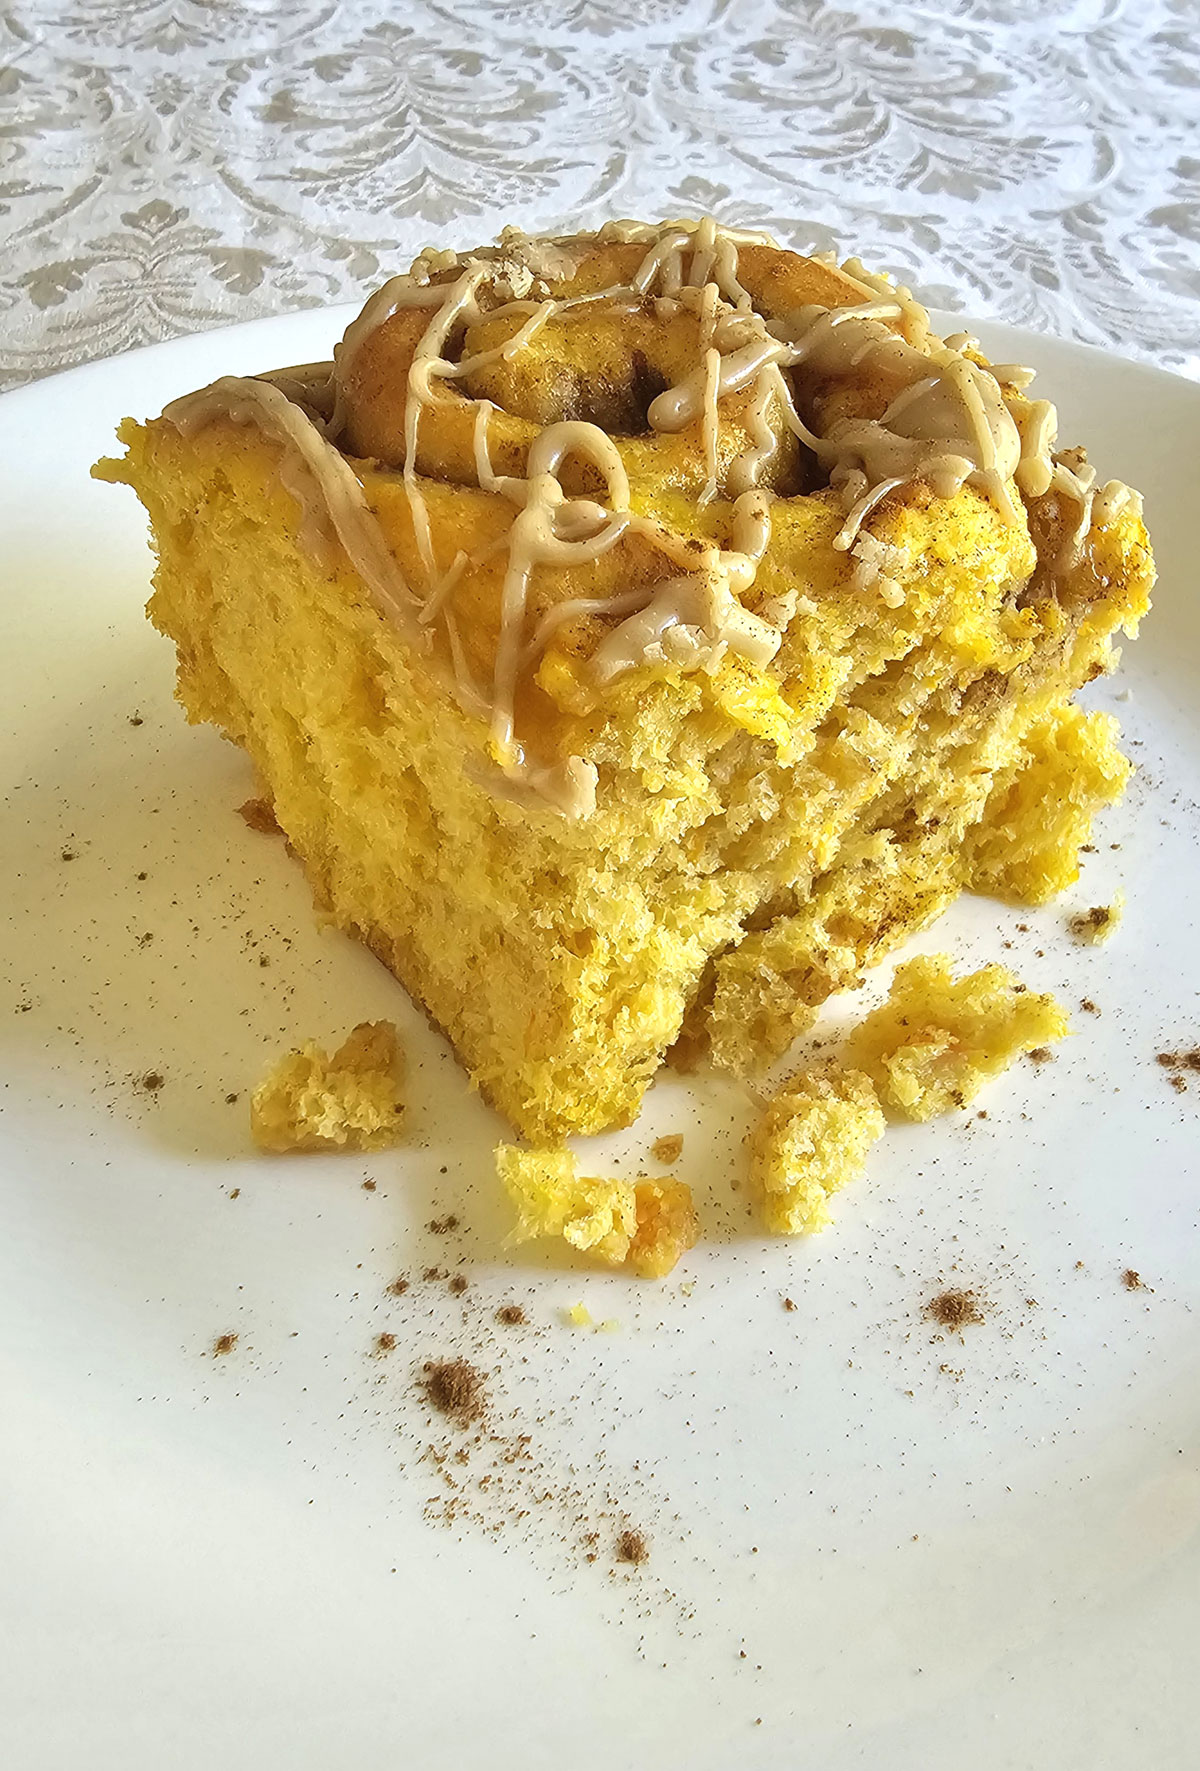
{"x":1098,"y":923}
{"x":432,"y":1273}
{"x":152,"y":1081}
{"x":68,"y":854}
{"x":232,"y":1100}
{"x":397,"y":1288}
{"x":235,"y":1192}
{"x":443,"y":1226}
{"x":632,"y":1547}
{"x":384,"y":1342}
{"x":1088,"y":1006}
{"x":458,"y":1285}
{"x":789,"y":1304}
{"x":368,"y":1185}
{"x":511,"y":1315}
{"x":260,"y":815}
{"x":668,"y":1149}
{"x":135,"y":719}
{"x":578,"y":1316}
{"x":645,"y":1224}
{"x":954,"y":1309}
{"x":1041,"y":1054}
{"x":812,"y":1139}
{"x":350,"y":1101}
{"x":224,"y":1343}
{"x":1133,"y":1281}
{"x":456,"y":1389}
{"x":937,"y":1039}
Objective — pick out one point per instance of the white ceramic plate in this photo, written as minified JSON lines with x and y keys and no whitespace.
{"x":870,"y":1544}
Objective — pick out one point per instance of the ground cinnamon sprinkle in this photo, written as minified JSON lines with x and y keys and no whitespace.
{"x":1132,"y":1281}
{"x":512,"y":1315}
{"x":397,"y":1288}
{"x":443,"y":1226}
{"x":632,"y":1547}
{"x":224,"y":1343}
{"x":954,"y":1309}
{"x":384,"y":1342}
{"x":458,"y":1285}
{"x":1089,"y":924}
{"x":455,"y":1389}
{"x":151,"y":1081}
{"x":1179,"y":1063}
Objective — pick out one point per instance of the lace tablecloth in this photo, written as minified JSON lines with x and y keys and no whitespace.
{"x":169,"y":165}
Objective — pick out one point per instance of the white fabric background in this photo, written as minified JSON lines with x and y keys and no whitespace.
{"x":167,"y":166}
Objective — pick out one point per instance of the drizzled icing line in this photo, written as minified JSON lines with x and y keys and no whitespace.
{"x":949,"y":423}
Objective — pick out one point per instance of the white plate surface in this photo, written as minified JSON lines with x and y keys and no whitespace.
{"x":870,"y":1545}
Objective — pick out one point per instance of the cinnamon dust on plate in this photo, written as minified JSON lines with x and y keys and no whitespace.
{"x":954,"y":1309}
{"x":456,"y":1389}
{"x":632,"y":1547}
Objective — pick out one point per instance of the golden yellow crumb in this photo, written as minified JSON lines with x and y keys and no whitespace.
{"x":669,"y":1149}
{"x":812,"y":1139}
{"x":552,"y":1198}
{"x":350,"y":1101}
{"x":1039,"y":813}
{"x":666,"y":1226}
{"x":936,"y":1040}
{"x":1098,"y":923}
{"x":578,"y":1316}
{"x":644,"y":1225}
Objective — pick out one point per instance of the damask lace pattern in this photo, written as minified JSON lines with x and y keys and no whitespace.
{"x":168,"y":166}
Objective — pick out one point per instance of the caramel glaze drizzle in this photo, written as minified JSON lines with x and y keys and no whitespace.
{"x":948,"y":424}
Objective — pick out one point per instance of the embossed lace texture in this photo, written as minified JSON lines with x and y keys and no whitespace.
{"x":170,"y":166}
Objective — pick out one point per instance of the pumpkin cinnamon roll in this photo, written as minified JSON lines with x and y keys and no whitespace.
{"x":639,"y":634}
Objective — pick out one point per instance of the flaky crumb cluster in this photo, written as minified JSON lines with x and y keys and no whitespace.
{"x":644,"y":1225}
{"x":350,"y":1101}
{"x":812,"y":1139}
{"x":936,"y":1040}
{"x":926,"y":1050}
